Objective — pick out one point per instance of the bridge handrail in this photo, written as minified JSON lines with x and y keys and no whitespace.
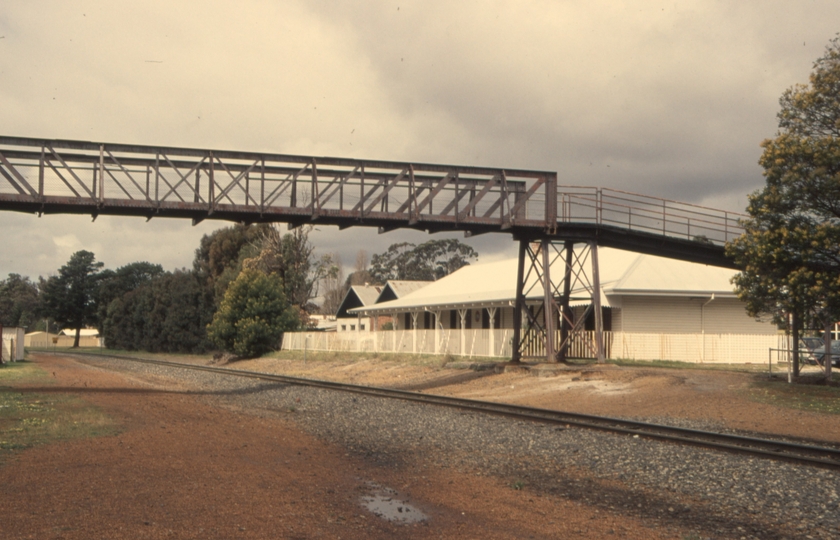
{"x":651,"y":214}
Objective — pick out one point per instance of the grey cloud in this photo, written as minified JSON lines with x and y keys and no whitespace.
{"x":655,"y":97}
{"x":665,"y":97}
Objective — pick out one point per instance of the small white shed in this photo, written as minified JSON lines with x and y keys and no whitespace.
{"x":12,"y":347}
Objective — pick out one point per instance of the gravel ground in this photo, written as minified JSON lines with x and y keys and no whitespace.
{"x":718,"y":495}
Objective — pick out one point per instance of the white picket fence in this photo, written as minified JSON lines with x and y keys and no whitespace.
{"x":708,"y":348}
{"x":467,"y":343}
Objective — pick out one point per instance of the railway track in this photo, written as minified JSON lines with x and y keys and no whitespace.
{"x":809,"y":454}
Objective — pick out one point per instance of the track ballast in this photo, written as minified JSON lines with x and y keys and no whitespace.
{"x":808,"y":454}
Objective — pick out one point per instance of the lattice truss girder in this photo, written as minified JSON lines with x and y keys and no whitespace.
{"x":558,"y":275}
{"x":290,"y":188}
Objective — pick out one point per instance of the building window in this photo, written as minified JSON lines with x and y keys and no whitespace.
{"x":361,"y":327}
{"x":485,"y":319}
{"x":407,"y":321}
{"x":352,"y":327}
{"x":453,"y":319}
{"x":427,"y":320}
{"x":343,"y":327}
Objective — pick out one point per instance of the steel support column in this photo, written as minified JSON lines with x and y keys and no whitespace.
{"x":437,"y":331}
{"x":565,"y":311}
{"x":549,"y":306}
{"x":545,"y":300}
{"x":596,"y":304}
{"x":519,"y":303}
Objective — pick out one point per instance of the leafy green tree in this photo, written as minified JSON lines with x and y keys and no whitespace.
{"x":219,"y":257}
{"x":167,"y":313}
{"x":253,"y":315}
{"x":428,"y":261}
{"x":115,"y":284}
{"x":20,"y":301}
{"x":394,"y":263}
{"x":70,"y":297}
{"x":790,"y":251}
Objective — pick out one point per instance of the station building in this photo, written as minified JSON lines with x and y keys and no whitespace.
{"x":639,"y":294}
{"x":652,"y":308}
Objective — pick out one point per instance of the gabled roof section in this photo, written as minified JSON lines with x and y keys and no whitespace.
{"x":396,"y":289}
{"x":358,"y":296}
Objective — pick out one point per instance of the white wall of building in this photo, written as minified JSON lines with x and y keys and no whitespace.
{"x":682,"y":315}
{"x":354,"y":324}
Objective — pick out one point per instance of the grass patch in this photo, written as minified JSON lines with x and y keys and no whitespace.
{"x":31,"y":419}
{"x":804,"y":397}
{"x":23,"y":373}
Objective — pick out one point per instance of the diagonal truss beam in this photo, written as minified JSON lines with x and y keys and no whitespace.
{"x":475,"y":200}
{"x":18,"y":182}
{"x":394,"y":181}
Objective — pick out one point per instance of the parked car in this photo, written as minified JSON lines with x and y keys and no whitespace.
{"x":819,"y":354}
{"x":807,"y":346}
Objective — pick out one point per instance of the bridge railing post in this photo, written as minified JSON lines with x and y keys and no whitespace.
{"x":41,"y":164}
{"x":599,"y":206}
{"x":157,"y":178}
{"x":101,"y":173}
{"x":551,"y":201}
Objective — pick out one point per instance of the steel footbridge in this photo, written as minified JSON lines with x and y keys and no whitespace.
{"x":42,"y":176}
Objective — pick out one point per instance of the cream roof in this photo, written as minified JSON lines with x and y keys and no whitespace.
{"x":472,"y":284}
{"x":621,"y":273}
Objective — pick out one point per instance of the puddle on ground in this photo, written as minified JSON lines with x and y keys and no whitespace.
{"x":387,"y":504}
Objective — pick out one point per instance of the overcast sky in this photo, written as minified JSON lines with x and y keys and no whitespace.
{"x":670,"y":99}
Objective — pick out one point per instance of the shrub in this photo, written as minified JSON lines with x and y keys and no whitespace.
{"x":253,"y":315}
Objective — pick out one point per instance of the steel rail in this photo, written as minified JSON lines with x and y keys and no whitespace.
{"x":819,"y":456}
